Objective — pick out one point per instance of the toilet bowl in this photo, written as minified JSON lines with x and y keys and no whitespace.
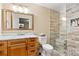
{"x":46,"y":48}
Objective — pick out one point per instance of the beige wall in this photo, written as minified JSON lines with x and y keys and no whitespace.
{"x":41,"y":19}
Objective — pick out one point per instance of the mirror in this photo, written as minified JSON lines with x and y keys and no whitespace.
{"x":17,"y":21}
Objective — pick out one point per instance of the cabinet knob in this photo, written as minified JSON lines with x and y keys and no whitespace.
{"x":1,"y":44}
{"x":32,"y":50}
{"x":32,"y":45}
{"x":0,"y":51}
{"x":26,"y":48}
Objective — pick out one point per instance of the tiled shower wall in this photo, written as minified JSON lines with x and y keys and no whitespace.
{"x":63,"y":36}
{"x":61,"y":42}
{"x":72,"y":12}
{"x":54,"y":27}
{"x":57,"y":32}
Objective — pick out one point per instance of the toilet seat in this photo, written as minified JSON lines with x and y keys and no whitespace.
{"x":47,"y":47}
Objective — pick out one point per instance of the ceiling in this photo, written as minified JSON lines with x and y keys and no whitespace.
{"x":69,"y":6}
{"x":56,"y":6}
{"x":60,"y":7}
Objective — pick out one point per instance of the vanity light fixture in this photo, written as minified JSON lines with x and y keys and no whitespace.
{"x":20,"y":9}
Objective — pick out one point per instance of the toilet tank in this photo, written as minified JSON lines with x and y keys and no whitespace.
{"x":42,"y":39}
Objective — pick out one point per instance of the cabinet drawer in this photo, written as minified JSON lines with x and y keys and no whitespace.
{"x":32,"y":40}
{"x":16,"y":42}
{"x":32,"y":52}
{"x":30,"y":46}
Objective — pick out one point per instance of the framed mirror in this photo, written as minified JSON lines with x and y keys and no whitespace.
{"x":17,"y":21}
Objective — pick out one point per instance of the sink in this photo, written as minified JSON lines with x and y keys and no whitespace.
{"x":20,"y":34}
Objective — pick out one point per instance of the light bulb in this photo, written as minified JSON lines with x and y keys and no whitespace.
{"x":64,"y":18}
{"x":15,"y":8}
{"x":25,"y":10}
{"x":20,"y":9}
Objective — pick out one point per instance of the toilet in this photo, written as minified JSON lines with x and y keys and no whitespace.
{"x":46,"y":49}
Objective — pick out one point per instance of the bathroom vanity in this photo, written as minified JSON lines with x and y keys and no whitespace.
{"x":19,"y":46}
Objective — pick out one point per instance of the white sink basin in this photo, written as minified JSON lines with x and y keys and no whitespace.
{"x":6,"y":37}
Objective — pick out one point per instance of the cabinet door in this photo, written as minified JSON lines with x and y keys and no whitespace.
{"x":3,"y":53}
{"x":3,"y":48}
{"x":19,"y":50}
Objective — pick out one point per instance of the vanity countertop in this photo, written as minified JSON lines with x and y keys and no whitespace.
{"x":9,"y":37}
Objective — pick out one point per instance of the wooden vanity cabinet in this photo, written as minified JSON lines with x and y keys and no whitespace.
{"x":3,"y":48}
{"x":19,"y":47}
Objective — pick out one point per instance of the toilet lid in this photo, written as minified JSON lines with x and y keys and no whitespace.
{"x":47,"y":47}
